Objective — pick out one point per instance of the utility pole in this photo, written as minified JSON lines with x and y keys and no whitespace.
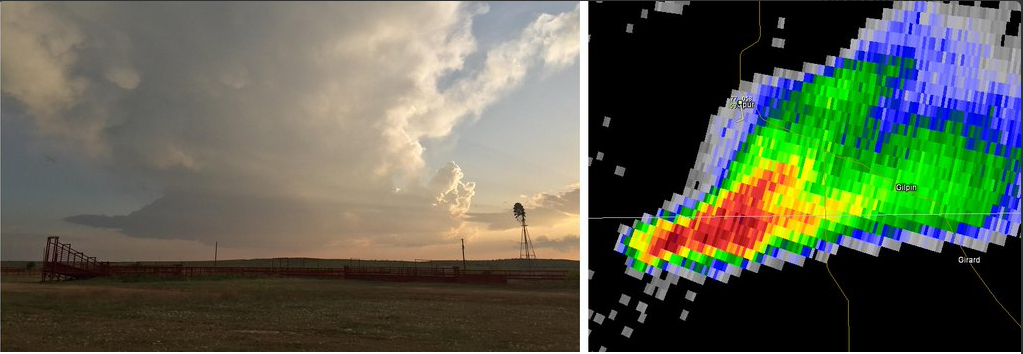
{"x":463,"y":254}
{"x":216,"y":249}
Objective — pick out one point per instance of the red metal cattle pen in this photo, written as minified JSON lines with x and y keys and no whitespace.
{"x":61,"y":262}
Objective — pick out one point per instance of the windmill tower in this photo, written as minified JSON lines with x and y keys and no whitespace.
{"x":525,"y":246}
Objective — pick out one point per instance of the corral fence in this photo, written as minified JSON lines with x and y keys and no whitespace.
{"x":19,"y":271}
{"x":62,"y":262}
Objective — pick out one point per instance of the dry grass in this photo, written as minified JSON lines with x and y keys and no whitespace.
{"x":275,"y":314}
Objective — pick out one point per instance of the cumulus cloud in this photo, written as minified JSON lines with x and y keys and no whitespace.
{"x":545,"y":208}
{"x":566,"y":202}
{"x":550,"y":41}
{"x":451,"y":190}
{"x":270,"y":122}
{"x":37,"y":49}
{"x":125,"y":78}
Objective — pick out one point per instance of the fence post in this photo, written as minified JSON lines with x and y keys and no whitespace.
{"x":46,"y":256}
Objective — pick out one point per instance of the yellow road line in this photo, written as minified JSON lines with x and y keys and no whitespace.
{"x":759,"y":34}
{"x":848,"y":323}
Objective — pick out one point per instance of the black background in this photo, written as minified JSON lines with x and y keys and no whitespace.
{"x":660,"y":85}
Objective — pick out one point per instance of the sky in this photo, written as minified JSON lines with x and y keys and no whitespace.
{"x":151,"y":131}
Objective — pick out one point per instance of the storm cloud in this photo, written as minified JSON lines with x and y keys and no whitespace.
{"x":272,"y":123}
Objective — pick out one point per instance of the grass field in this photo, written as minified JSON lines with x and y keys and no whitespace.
{"x":280,"y":314}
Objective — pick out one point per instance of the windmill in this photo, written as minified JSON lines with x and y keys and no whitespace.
{"x":525,"y":246}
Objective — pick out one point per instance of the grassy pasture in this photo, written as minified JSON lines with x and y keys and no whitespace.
{"x":282,"y":314}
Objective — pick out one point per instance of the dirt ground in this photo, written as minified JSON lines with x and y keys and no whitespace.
{"x":277,"y":314}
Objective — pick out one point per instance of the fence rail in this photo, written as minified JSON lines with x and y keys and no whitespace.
{"x":62,"y":262}
{"x":22,"y":271}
